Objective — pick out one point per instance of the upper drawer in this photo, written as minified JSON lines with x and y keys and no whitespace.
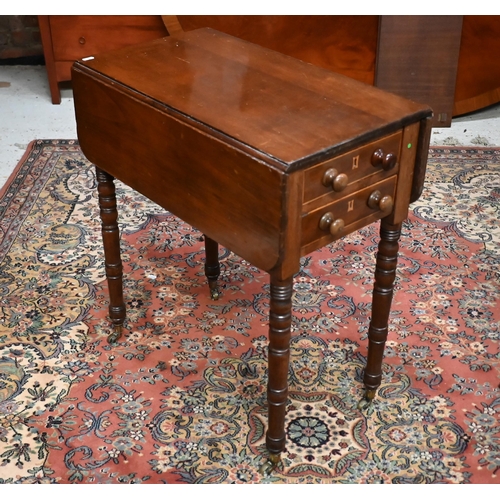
{"x":338,"y":174}
{"x":75,"y":37}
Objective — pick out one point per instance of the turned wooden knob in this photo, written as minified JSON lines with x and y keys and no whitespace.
{"x":384,"y":160}
{"x":337,"y":181}
{"x":329,"y":223}
{"x":378,"y":202}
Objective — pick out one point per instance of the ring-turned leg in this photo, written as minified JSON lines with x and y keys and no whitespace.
{"x":212,"y":266}
{"x":280,"y":320}
{"x":385,"y":274}
{"x":112,"y":259}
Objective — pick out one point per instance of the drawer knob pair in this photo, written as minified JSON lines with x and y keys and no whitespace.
{"x":378,"y":202}
{"x":329,"y":223}
{"x":385,"y":160}
{"x":337,"y":181}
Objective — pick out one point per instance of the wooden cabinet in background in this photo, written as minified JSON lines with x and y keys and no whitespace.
{"x":68,"y":38}
{"x":478,"y":74}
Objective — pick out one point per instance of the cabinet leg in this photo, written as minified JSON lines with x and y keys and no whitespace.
{"x":385,"y":274}
{"x":280,"y":320}
{"x":112,"y":259}
{"x":212,"y":266}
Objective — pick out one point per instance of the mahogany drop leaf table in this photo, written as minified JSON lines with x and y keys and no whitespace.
{"x":266,"y":155}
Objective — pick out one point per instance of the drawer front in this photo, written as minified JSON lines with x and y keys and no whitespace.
{"x":367,"y":205}
{"x":337,"y":176}
{"x":75,"y":37}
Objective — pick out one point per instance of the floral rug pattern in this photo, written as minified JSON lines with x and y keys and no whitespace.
{"x":181,"y":398}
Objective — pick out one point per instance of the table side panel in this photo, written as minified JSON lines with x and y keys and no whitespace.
{"x":221,"y":191}
{"x":409,"y":149}
{"x":424,"y":139}
{"x":289,"y":263}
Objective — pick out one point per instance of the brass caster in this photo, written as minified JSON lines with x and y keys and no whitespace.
{"x":270,"y":464}
{"x":367,"y":399}
{"x":214,"y":293}
{"x":113,"y":337}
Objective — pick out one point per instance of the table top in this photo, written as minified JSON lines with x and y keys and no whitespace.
{"x":290,"y":113}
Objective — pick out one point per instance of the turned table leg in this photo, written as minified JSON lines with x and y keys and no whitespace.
{"x":385,"y":274}
{"x":212,"y":266}
{"x":112,"y":259}
{"x":280,"y":320}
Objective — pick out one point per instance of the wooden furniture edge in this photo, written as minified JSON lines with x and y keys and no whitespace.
{"x":172,"y":24}
{"x":476,"y":103}
{"x":50,"y":63}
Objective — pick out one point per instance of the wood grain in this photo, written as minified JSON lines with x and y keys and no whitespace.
{"x":478,"y":73}
{"x":280,"y":106}
{"x":343,"y":44}
{"x":418,"y":59}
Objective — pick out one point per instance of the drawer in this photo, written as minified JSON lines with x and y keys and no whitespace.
{"x":379,"y":159}
{"x":336,"y":219}
{"x":75,"y":37}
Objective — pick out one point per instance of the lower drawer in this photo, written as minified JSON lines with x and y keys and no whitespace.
{"x":341,"y":217}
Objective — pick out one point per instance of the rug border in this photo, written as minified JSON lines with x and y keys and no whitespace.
{"x":20,"y":163}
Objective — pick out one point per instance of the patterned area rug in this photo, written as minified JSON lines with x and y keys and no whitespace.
{"x":181,"y":398}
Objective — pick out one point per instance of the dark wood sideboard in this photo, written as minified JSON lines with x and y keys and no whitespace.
{"x":445,"y":61}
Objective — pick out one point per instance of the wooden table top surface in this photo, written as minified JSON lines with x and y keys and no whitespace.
{"x":291,"y":112}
